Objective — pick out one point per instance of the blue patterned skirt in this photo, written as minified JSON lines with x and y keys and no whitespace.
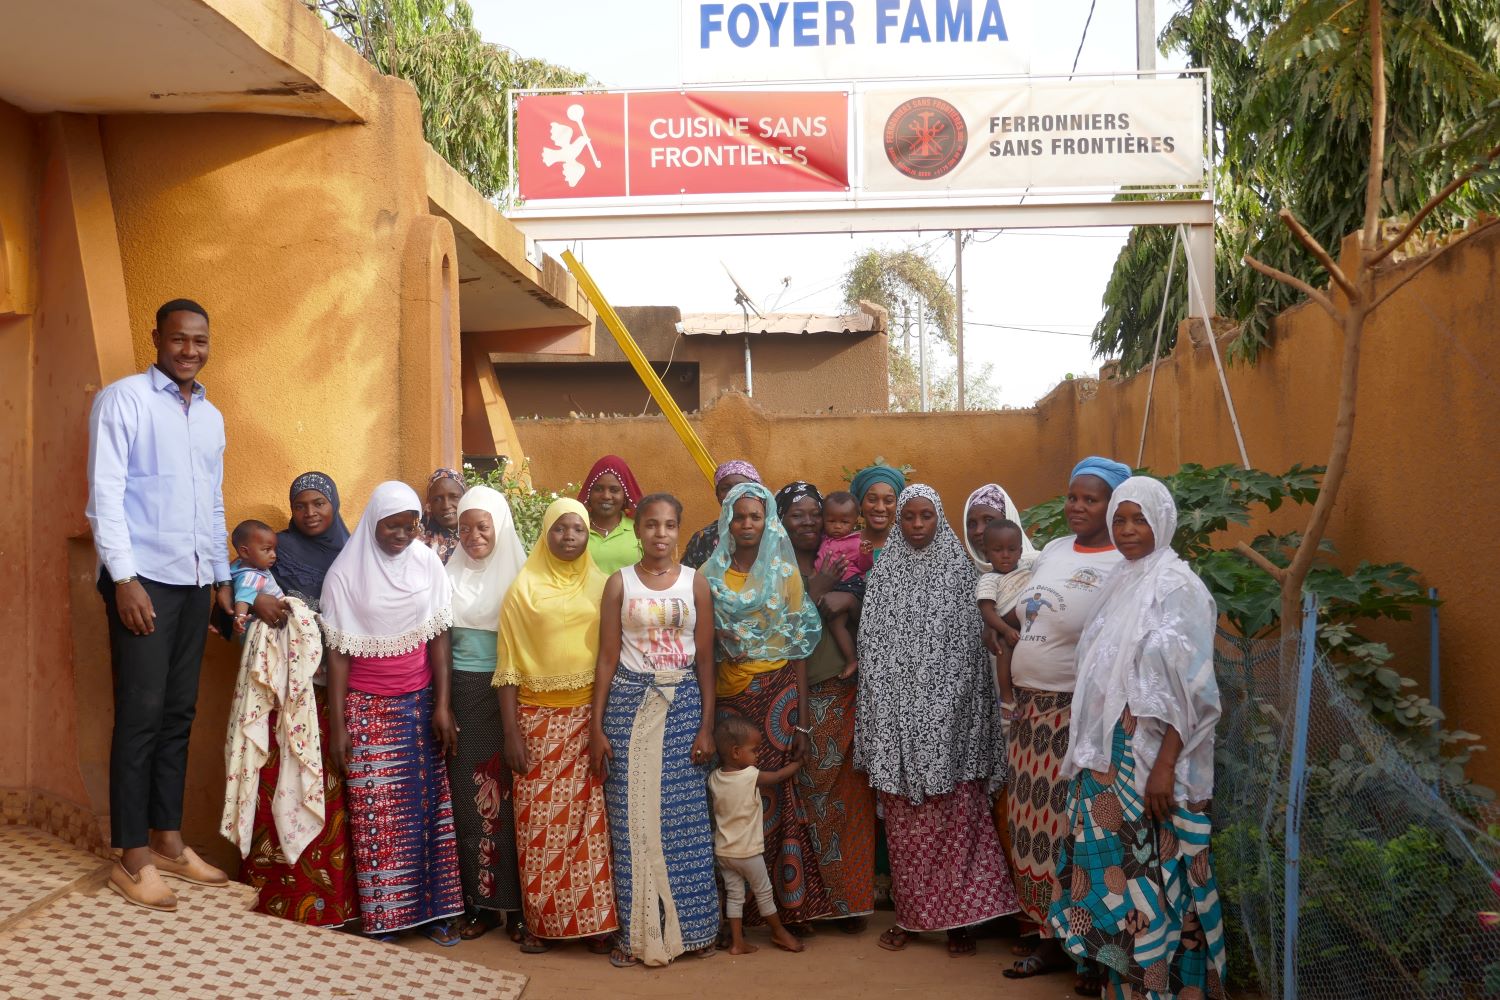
{"x":1136,"y":896}
{"x":663,"y":843}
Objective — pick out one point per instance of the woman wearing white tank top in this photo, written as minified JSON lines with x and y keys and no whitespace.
{"x":653,"y":741}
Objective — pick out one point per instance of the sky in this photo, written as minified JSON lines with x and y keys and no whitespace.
{"x":1016,"y":283}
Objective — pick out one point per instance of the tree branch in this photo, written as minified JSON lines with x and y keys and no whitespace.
{"x":1299,"y":284}
{"x":1316,"y":249}
{"x":1431,"y":206}
{"x":1377,"y":130}
{"x":1277,"y":573}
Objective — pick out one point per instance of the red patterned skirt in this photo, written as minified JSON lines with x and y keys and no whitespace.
{"x":1038,"y":798}
{"x":770,"y":703}
{"x":946,"y":868}
{"x":319,"y":888}
{"x":562,"y":829}
{"x":839,"y":801}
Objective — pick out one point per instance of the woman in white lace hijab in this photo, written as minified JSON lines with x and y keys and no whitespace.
{"x":1143,"y":902}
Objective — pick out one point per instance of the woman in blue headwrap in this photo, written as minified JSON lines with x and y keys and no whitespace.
{"x":319,"y":888}
{"x":766,"y":626}
{"x":1066,"y":584}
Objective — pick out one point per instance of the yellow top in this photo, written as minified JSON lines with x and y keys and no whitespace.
{"x":549,"y":624}
{"x":735,"y":677}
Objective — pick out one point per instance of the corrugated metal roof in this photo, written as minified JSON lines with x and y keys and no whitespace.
{"x":720,"y":324}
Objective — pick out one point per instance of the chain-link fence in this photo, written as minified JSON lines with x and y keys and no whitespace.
{"x":1394,"y":872}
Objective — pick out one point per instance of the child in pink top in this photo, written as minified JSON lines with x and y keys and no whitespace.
{"x":841,"y":539}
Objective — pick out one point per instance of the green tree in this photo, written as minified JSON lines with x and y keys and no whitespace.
{"x":1292,"y":121}
{"x":460,"y":78}
{"x":903,"y":282}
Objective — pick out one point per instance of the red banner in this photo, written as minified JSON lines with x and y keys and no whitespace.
{"x":682,"y":143}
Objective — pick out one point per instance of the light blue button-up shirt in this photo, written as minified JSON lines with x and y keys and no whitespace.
{"x":156,"y":482}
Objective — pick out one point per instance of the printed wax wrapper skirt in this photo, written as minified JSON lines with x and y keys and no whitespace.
{"x":562,"y":830}
{"x":400,"y":813}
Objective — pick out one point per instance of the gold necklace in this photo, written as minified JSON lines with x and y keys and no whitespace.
{"x":656,"y":572}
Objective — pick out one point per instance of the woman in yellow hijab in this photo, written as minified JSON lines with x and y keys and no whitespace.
{"x":548,"y":647}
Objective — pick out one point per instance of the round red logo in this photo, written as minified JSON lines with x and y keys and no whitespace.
{"x":925,"y":138}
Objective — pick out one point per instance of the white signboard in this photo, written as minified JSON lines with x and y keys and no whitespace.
{"x":998,"y":136}
{"x":724,"y":41}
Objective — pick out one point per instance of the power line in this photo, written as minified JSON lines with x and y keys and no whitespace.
{"x":1024,"y":329}
{"x":1087,"y":21}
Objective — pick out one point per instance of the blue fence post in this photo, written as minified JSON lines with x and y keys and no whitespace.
{"x":1296,"y":787}
{"x":1435,"y":670}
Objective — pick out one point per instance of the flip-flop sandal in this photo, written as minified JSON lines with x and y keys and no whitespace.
{"x":516,"y":928}
{"x":601,"y":945}
{"x":622,"y":959}
{"x":382,"y":938}
{"x":853,"y":925}
{"x":442,"y":933}
{"x":961,"y":944}
{"x":533,"y":945}
{"x":707,"y":951}
{"x":895,"y":939}
{"x":1031,"y":965}
{"x":478,"y":925}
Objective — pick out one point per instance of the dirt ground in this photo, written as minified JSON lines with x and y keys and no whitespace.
{"x":835,"y":966}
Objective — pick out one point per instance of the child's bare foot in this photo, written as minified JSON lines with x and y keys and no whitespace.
{"x":849,"y":670}
{"x":742,"y":947}
{"x":783,"y":939}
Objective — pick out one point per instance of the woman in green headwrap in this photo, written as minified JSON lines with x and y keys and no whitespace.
{"x":876,"y":487}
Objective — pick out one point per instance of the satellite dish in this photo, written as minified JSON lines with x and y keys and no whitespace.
{"x":742,"y":298}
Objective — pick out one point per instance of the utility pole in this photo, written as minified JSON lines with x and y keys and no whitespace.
{"x":1145,"y":35}
{"x":906,"y":327}
{"x":922,"y":348}
{"x":958,"y":277}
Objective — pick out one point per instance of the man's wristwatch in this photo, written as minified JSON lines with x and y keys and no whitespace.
{"x":122,"y":581}
{"x":223,"y":583}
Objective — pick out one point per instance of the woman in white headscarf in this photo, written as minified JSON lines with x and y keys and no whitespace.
{"x":386,"y":614}
{"x":481,"y":570}
{"x":1143,"y":903}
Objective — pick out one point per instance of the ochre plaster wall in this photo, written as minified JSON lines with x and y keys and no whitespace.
{"x":1424,"y":446}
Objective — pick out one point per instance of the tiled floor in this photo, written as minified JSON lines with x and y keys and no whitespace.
{"x":34,"y":866}
{"x":92,"y":944}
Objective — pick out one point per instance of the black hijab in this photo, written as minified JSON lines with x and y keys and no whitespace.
{"x":303,"y":560}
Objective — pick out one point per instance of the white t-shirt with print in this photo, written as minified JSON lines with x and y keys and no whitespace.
{"x":1054,"y":610}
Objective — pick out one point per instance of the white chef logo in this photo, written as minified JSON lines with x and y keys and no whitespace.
{"x":567,"y":150}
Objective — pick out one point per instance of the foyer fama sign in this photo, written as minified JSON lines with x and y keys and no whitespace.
{"x":724,"y":41}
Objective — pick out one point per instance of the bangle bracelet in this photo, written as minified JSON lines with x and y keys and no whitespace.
{"x":804,"y":730}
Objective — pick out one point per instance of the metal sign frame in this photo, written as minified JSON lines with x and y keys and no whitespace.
{"x":778,"y":214}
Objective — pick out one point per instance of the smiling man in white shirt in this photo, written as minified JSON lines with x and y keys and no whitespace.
{"x":156,"y":507}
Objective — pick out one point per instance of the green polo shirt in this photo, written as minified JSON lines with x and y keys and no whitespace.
{"x":616,"y":550}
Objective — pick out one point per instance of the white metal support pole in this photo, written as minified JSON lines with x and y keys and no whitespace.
{"x":1161,"y":321}
{"x":1145,"y":34}
{"x":958,"y":277}
{"x":1213,"y":346}
{"x":922,"y":348}
{"x":1200,"y":247}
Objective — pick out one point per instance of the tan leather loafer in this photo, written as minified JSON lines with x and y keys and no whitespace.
{"x":144,"y":888}
{"x":190,"y":868}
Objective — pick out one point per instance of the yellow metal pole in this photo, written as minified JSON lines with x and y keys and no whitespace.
{"x":642,"y":367}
